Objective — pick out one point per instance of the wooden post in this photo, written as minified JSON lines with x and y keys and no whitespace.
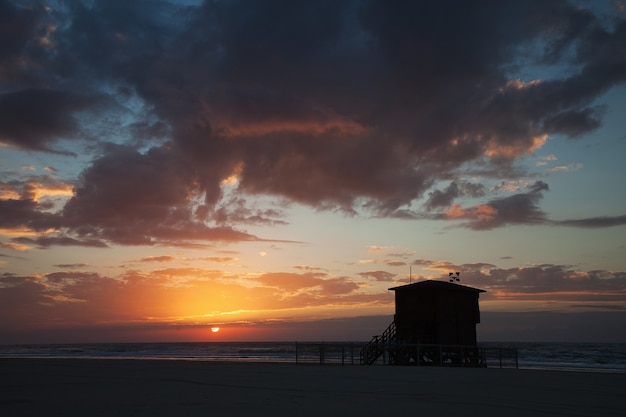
{"x":462,"y":357}
{"x":419,"y":356}
{"x":352,"y":353}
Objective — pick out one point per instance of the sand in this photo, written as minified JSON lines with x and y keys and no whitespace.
{"x":81,"y":387}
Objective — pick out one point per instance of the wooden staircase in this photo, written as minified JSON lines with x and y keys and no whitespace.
{"x":379,"y":344}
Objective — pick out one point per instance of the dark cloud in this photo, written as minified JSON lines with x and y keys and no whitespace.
{"x":21,"y":36}
{"x":71,"y":266}
{"x":594,"y":222}
{"x":132,"y":198}
{"x":26,"y":213}
{"x":361,"y":107}
{"x":238,"y":211}
{"x":48,"y":241}
{"x":544,"y":282}
{"x":309,"y":268}
{"x":438,"y":198}
{"x":34,"y":119}
{"x":573,"y":288}
{"x":59,"y":277}
{"x":574,"y":123}
{"x":519,"y":208}
{"x":17,"y":29}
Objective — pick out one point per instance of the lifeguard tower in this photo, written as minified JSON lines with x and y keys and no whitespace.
{"x":434,"y":324}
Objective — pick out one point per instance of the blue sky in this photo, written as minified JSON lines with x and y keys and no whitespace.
{"x":264,"y":167}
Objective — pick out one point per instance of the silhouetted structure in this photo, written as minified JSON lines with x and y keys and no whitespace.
{"x":436,"y":312}
{"x":435,"y":322}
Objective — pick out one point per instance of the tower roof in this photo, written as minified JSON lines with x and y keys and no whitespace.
{"x":435,"y":285}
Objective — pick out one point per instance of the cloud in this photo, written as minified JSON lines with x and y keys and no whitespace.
{"x":291,"y":281}
{"x":164,"y":297}
{"x":221,"y":259}
{"x":164,"y":258}
{"x":521,"y":208}
{"x":238,"y":210}
{"x":566,"y":168}
{"x":48,"y":241}
{"x":376,"y":249}
{"x":382,"y":276}
{"x":564,"y":288}
{"x":546,"y":159}
{"x":14,"y":246}
{"x":33,"y":119}
{"x":132,"y":198}
{"x":594,"y":222}
{"x":361,"y":107}
{"x":516,"y":209}
{"x":25,"y":213}
{"x":337,"y":286}
{"x":71,"y":266}
{"x":574,"y":123}
{"x":68,"y":299}
{"x":35,"y":188}
{"x":456,"y":189}
{"x":390,"y":262}
{"x":547,"y":282}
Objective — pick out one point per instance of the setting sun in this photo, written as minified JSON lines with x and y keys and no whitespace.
{"x":215,"y":329}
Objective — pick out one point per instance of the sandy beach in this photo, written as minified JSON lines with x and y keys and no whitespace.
{"x":82,"y":387}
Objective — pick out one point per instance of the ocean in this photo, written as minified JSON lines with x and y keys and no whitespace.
{"x":589,"y":357}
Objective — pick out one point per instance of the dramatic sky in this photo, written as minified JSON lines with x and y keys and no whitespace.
{"x":273,"y":167}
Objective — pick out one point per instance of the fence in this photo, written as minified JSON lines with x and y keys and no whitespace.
{"x":398,"y":353}
{"x":350,"y":353}
{"x":328,"y":353}
{"x":353,"y":353}
{"x":501,"y":357}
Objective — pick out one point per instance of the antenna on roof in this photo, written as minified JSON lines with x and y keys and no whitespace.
{"x":454,"y":276}
{"x":410,"y":275}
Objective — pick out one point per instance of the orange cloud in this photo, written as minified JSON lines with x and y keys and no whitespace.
{"x":481,"y":213}
{"x":221,"y":259}
{"x":291,"y":281}
{"x":164,"y":258}
{"x":14,"y":246}
{"x":338,"y":125}
{"x":174,"y":296}
{"x":39,"y":190}
{"x":24,"y":232}
{"x":496,"y":149}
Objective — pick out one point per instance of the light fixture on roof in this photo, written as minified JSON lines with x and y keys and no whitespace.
{"x":454,"y":276}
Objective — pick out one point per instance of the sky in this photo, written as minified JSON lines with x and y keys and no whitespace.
{"x":273,"y":167}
